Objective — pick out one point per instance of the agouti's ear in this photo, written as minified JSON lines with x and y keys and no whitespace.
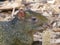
{"x":21,"y":14}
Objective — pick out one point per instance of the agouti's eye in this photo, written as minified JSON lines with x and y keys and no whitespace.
{"x":33,"y":19}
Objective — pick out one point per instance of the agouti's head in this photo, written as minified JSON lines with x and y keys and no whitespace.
{"x":33,"y":18}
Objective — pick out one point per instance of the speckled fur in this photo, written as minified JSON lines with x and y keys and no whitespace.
{"x":19,"y":32}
